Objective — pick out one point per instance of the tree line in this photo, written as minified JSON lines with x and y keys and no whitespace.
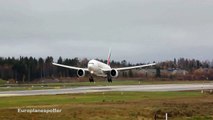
{"x":27,"y":69}
{"x":194,"y":69}
{"x":186,"y":64}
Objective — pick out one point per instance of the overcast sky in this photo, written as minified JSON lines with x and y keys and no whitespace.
{"x":135,"y":30}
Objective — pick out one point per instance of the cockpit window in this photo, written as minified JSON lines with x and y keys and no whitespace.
{"x":91,"y":63}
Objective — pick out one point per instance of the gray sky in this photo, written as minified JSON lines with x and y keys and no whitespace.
{"x":135,"y":30}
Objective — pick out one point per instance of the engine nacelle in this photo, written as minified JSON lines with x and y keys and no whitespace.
{"x":114,"y":73}
{"x":81,"y":73}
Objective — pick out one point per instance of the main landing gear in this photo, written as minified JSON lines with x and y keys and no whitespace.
{"x":109,"y":79}
{"x":91,"y":79}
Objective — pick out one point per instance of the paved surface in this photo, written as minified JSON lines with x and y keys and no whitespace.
{"x":89,"y":89}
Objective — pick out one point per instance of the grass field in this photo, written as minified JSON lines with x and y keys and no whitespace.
{"x":2,"y":81}
{"x":10,"y":87}
{"x":188,"y":105}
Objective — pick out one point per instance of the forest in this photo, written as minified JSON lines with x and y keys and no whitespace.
{"x":27,"y":69}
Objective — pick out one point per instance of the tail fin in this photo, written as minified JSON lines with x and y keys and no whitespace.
{"x":108,"y":59}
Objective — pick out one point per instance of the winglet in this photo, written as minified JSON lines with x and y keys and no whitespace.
{"x":109,"y":55}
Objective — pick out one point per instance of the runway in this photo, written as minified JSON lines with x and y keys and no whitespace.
{"x":90,"y":89}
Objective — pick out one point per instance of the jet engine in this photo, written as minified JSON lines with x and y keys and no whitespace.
{"x":81,"y":73}
{"x":114,"y":73}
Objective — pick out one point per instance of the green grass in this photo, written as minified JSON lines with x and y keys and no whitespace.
{"x":200,"y":118}
{"x":2,"y":82}
{"x":188,"y":105}
{"x":91,"y":98}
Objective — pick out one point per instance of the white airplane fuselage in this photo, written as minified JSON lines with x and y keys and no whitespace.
{"x":96,"y":67}
{"x":101,"y":69}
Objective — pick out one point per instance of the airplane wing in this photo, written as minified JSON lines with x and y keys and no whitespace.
{"x":131,"y":67}
{"x":70,"y":67}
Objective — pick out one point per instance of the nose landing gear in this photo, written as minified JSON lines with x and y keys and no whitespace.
{"x":91,"y":79}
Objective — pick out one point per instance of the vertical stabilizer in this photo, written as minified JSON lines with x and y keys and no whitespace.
{"x":108,"y":59}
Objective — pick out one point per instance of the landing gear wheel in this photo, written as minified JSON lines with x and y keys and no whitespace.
{"x":109,"y":79}
{"x":91,"y":79}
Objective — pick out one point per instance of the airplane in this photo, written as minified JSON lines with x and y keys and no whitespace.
{"x":95,"y":67}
